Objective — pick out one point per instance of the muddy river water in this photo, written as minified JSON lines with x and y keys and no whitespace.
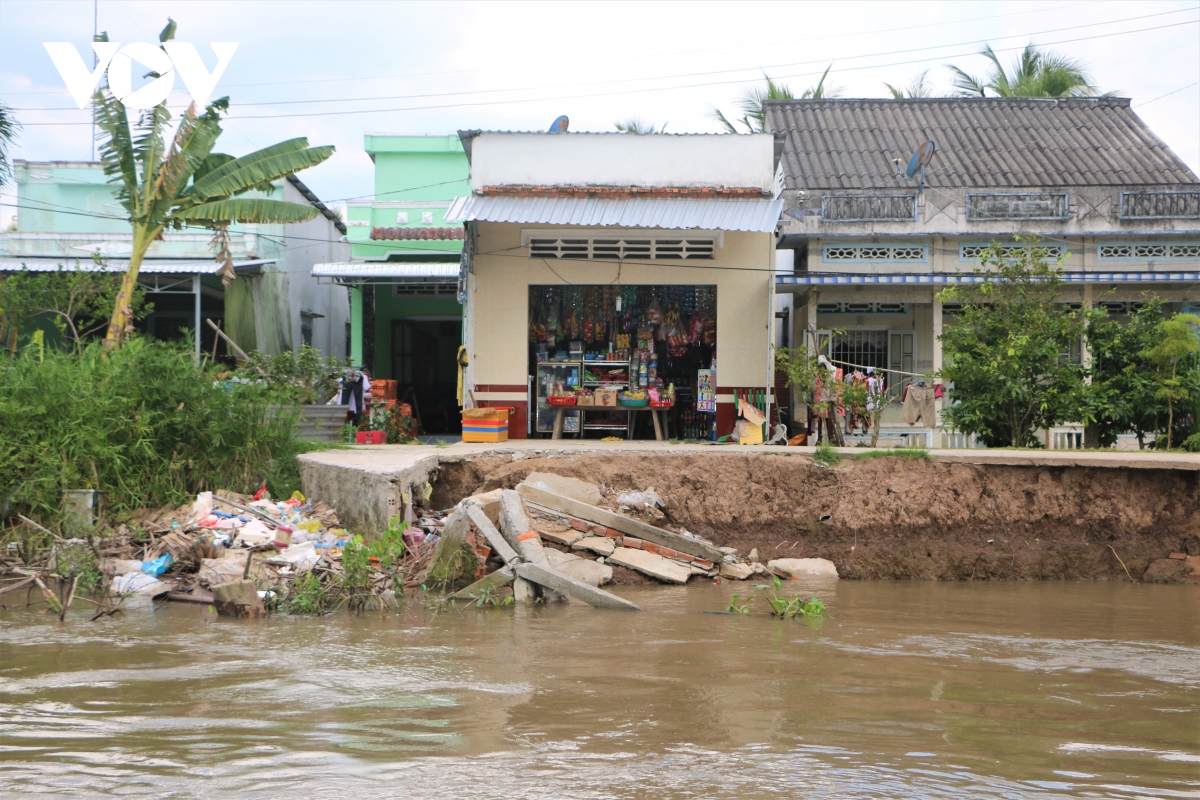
{"x":909,"y":689}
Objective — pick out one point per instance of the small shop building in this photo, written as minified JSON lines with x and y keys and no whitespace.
{"x":619,"y":266}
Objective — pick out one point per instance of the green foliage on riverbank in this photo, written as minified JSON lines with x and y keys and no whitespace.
{"x":916,"y":453}
{"x":143,"y":424}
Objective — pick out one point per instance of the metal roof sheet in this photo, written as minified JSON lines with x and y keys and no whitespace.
{"x":205,"y":267}
{"x":669,"y":213}
{"x":387,"y":269}
{"x":981,"y":142}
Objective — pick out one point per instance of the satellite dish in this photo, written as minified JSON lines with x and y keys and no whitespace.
{"x":560,"y":125}
{"x":918,"y":162}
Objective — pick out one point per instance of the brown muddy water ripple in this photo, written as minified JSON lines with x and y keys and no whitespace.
{"x":910,"y":689}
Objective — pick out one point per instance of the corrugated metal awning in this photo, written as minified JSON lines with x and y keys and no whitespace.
{"x":847,"y":279}
{"x":669,"y":213}
{"x":447,"y":271}
{"x":205,"y":267}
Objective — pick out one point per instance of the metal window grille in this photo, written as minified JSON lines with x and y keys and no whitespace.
{"x":1180,"y":251}
{"x":1120,"y":308}
{"x":417,"y":289}
{"x":1160,"y":205}
{"x":1016,"y":206}
{"x":862,"y":308}
{"x":875,"y":252}
{"x":869,"y":208}
{"x":975,"y":250}
{"x":613,"y":249}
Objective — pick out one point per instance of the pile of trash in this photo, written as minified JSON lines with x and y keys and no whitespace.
{"x":294,"y":552}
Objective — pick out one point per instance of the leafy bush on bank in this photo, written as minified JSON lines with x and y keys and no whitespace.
{"x":141,"y":423}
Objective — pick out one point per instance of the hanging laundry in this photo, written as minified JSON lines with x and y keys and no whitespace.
{"x":918,"y":405}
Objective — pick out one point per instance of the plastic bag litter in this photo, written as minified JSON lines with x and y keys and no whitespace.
{"x":255,"y":532}
{"x":139,"y":583}
{"x":120,"y":566}
{"x":647,"y":499}
{"x":158,"y":566}
{"x":202,"y":508}
{"x":302,"y":557}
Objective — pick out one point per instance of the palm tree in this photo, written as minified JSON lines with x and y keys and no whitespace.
{"x":751,"y":102}
{"x":635,"y":125}
{"x":1035,"y":73}
{"x":919,"y":86}
{"x":8,"y":134}
{"x":187,"y":184}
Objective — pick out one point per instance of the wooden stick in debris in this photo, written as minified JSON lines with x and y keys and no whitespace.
{"x":548,"y":578}
{"x":264,"y":516}
{"x":13,"y":587}
{"x":241,"y":354}
{"x":28,"y":521}
{"x":62,"y":615}
{"x":49,"y":594}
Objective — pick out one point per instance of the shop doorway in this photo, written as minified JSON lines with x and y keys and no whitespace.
{"x":426,"y":372}
{"x":592,"y":339}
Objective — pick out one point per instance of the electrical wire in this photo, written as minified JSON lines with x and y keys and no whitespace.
{"x":643,"y":90}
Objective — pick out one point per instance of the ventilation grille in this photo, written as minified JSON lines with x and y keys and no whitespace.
{"x":869,"y":208}
{"x":1016,"y":206}
{"x":623,"y":249}
{"x":1120,"y":308}
{"x":876,"y":252}
{"x":974,"y":252}
{"x":1112,"y":251}
{"x":1160,"y":205}
{"x":862,"y":308}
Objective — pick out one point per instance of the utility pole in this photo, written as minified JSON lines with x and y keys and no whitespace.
{"x":95,"y":61}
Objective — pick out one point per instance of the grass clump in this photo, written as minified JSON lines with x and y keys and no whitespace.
{"x":826,"y":455}
{"x":918,"y":453}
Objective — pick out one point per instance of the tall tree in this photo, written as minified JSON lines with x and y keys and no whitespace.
{"x":1177,"y":343}
{"x":751,"y":102}
{"x":637,"y":126}
{"x":185,"y":183}
{"x":1035,"y":73}
{"x":1123,"y":388}
{"x":919,"y":86}
{"x":8,"y":134}
{"x":1005,"y":351}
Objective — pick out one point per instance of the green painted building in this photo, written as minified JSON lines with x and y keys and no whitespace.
{"x":406,"y":319}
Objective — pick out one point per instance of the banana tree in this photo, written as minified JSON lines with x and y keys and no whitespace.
{"x":186,"y":184}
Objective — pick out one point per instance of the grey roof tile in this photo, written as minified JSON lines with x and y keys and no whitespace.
{"x":981,"y":143}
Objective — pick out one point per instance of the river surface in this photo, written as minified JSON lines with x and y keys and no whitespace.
{"x":909,"y":689}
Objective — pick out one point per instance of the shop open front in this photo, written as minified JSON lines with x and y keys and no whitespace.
{"x":613,"y":358}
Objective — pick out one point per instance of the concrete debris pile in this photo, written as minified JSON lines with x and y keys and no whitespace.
{"x":559,"y":523}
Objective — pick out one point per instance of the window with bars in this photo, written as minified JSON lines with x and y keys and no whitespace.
{"x":862,"y":308}
{"x":590,"y":248}
{"x":1127,"y":251}
{"x":974,"y":251}
{"x":1160,"y":205}
{"x":867,"y":253}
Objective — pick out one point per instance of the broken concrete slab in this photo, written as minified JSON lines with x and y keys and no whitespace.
{"x":238,"y":599}
{"x":551,"y":580}
{"x":493,"y":581}
{"x":493,"y":536}
{"x":454,"y":562}
{"x":587,"y":571}
{"x":566,"y":538}
{"x":600,"y":545}
{"x":556,"y":558}
{"x":738,"y":572}
{"x":609,"y":519}
{"x":804,"y":567}
{"x":518,"y":531}
{"x":567,"y":487}
{"x":652,"y":564}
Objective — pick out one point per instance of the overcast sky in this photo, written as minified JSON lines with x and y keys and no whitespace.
{"x":437,"y":67}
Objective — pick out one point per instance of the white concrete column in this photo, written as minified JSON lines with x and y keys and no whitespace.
{"x":196,"y":310}
{"x":937,"y":358}
{"x":1087,"y":352}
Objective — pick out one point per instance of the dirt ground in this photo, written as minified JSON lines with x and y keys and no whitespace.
{"x":893,"y":517}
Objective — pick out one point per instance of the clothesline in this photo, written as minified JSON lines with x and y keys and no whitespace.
{"x":863,"y":367}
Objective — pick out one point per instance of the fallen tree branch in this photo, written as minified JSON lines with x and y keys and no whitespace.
{"x":28,"y":521}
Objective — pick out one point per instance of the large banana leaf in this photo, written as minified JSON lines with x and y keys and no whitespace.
{"x":201,"y":188}
{"x":258,"y":169}
{"x":192,"y":145}
{"x":116,"y":152}
{"x":221,"y":212}
{"x":148,"y":150}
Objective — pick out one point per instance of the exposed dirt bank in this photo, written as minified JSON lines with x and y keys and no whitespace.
{"x":893,"y":517}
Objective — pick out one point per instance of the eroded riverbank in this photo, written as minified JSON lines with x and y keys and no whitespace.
{"x":1042,"y":690}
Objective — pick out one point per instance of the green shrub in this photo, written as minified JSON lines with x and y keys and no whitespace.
{"x":143,"y":424}
{"x":827,"y":455}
